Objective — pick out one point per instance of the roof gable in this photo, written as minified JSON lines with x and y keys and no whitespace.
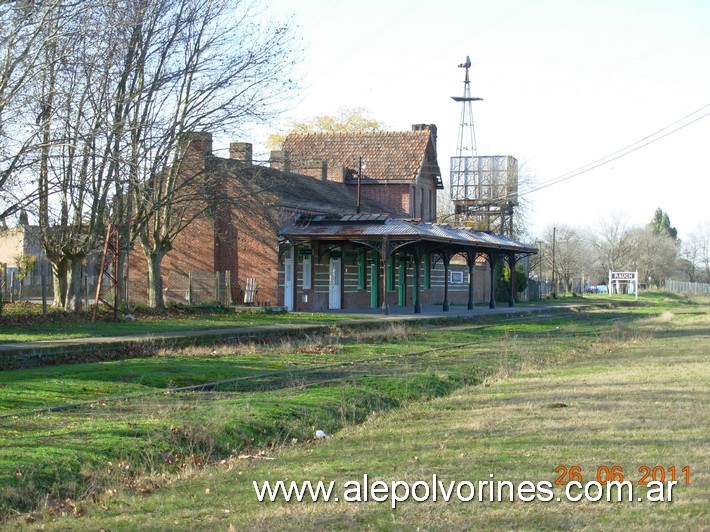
{"x":386,"y":156}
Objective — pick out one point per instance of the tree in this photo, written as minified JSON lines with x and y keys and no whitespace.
{"x":655,"y":255}
{"x":108,"y":91}
{"x":23,"y":38}
{"x":502,"y":280}
{"x":571,"y":258}
{"x":661,"y":225}
{"x":201,"y":65}
{"x":346,"y":120}
{"x":80,"y":127}
{"x":521,"y":215}
{"x":696,"y":251}
{"x":613,"y":246}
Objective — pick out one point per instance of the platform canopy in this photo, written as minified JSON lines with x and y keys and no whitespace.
{"x":368,"y":228}
{"x":387,"y":235}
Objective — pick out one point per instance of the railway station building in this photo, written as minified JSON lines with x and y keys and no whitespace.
{"x":333,"y":221}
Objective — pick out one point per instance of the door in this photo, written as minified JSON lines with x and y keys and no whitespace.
{"x":288,"y":283}
{"x":334,"y":285}
{"x":402,"y":299}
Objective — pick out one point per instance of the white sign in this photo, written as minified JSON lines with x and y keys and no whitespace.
{"x":617,"y":279}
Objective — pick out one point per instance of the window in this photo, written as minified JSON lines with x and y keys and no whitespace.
{"x":456,"y":277}
{"x":361,"y":270}
{"x":307,"y":272}
{"x":390,"y":274}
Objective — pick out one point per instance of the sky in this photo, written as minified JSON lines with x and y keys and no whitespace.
{"x":564,"y":83}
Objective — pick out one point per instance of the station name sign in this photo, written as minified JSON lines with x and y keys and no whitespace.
{"x":623,"y":276}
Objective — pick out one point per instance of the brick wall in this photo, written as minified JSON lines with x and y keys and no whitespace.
{"x":395,"y":197}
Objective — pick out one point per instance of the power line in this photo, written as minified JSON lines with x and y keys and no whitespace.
{"x":618,"y":154}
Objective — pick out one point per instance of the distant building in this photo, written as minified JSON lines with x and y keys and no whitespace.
{"x":19,"y":241}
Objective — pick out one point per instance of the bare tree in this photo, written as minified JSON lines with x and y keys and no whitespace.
{"x":203,"y":65}
{"x":23,"y":38}
{"x":613,"y":246}
{"x":78,"y":97}
{"x":115,"y":91}
{"x":655,"y":255}
{"x":522,"y":211}
{"x":696,"y":250}
{"x":571,"y":256}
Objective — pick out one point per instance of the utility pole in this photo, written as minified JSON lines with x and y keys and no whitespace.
{"x":554,"y":287}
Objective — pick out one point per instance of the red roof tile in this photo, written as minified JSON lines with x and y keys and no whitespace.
{"x":391,"y":155}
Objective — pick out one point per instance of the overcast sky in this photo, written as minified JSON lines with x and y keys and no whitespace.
{"x":565,"y":83}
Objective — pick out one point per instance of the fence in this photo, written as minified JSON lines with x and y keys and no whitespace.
{"x":687,"y":286}
{"x":192,"y":288}
{"x":195,"y":288}
{"x":40,"y":288}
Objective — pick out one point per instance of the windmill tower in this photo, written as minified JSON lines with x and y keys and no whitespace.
{"x":484,"y":189}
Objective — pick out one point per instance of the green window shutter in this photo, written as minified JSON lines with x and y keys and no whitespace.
{"x":361,"y":270}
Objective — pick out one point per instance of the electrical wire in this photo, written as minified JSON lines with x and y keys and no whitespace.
{"x":622,"y":152}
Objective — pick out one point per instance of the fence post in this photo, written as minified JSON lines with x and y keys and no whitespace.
{"x":228,"y":286}
{"x":216,"y":288}
{"x":12,"y":287}
{"x":189,"y":288}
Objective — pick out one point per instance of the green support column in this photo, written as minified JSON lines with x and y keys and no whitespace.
{"x":415,"y":295}
{"x":374,"y":279}
{"x":402,"y":284}
{"x":471,"y":266}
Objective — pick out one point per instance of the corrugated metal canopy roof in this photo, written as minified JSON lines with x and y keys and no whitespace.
{"x":350,"y":227}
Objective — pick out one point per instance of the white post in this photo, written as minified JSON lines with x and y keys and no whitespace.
{"x":609,"y":289}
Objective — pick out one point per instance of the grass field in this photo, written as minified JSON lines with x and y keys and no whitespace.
{"x":624,"y":386}
{"x":25,"y":323}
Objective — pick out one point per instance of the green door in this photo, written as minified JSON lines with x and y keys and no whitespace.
{"x":403,"y":283}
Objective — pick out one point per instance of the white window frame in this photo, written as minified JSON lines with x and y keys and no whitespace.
{"x":307,"y":269}
{"x":456,"y":277}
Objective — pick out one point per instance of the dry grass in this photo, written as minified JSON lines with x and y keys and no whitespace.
{"x":634,"y":395}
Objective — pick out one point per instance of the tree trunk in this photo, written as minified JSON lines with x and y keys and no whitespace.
{"x":155,"y":279}
{"x":60,"y":273}
{"x":74,"y":299}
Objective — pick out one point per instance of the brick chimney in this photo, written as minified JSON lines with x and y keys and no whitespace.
{"x":314,"y":167}
{"x":425,"y":127}
{"x":196,"y":143}
{"x":281,"y":160}
{"x":241,"y":151}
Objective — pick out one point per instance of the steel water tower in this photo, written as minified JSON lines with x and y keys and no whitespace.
{"x":484,"y":189}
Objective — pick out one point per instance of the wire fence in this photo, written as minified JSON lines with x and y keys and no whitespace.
{"x":191,"y":288}
{"x":687,"y":286}
{"x":198,"y":288}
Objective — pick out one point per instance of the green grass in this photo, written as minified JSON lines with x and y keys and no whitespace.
{"x":631,"y":378}
{"x":61,"y":325}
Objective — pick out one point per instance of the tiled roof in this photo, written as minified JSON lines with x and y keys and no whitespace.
{"x":391,"y":155}
{"x":298,"y":192}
